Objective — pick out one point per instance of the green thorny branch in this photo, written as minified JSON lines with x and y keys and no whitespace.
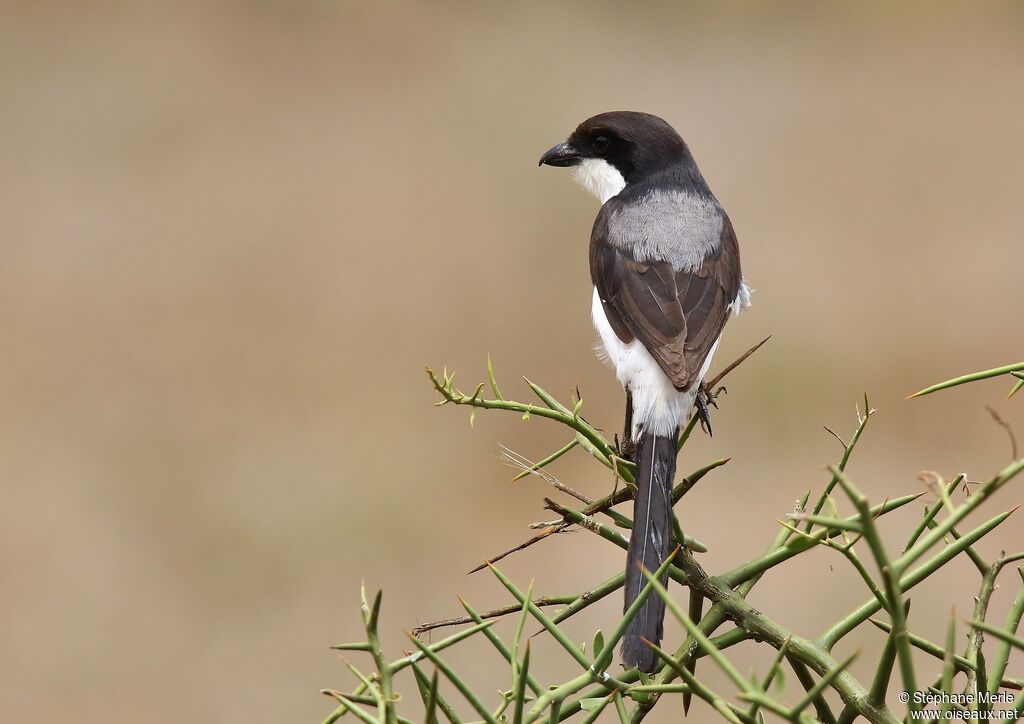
{"x":630,"y":695}
{"x":1015,"y":371}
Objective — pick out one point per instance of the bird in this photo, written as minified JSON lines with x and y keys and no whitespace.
{"x":665,"y":265}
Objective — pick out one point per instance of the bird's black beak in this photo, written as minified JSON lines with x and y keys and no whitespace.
{"x":561,"y":155}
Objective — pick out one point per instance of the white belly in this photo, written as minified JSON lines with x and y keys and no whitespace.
{"x":658,"y":407}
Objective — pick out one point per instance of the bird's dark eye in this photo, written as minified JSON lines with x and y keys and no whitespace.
{"x":601,"y":144}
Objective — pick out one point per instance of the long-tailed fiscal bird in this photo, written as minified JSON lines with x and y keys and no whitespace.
{"x":666,"y":271}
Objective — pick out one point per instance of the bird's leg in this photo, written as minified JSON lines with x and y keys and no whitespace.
{"x":627,"y":449}
{"x":707,"y":398}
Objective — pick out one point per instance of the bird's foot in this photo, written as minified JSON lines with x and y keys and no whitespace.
{"x":625,"y":449}
{"x":706,"y":399}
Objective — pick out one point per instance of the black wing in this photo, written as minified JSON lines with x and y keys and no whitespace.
{"x":676,"y":315}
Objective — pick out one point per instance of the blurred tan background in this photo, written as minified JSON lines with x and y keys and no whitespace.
{"x":233,"y":234}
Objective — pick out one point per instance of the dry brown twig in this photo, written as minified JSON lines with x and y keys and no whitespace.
{"x":1006,"y":426}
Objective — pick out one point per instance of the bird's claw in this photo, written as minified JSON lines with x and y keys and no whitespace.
{"x":625,"y":449}
{"x":711,"y":397}
{"x":705,"y":416}
{"x":705,"y":399}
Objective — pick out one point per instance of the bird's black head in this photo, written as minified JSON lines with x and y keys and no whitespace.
{"x":637,"y":145}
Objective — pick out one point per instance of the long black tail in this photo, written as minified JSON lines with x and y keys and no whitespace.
{"x":649,"y":544}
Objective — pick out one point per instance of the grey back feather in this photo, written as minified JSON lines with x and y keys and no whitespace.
{"x":671,"y":225}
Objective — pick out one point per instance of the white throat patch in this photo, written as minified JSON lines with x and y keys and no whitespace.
{"x":600,"y":178}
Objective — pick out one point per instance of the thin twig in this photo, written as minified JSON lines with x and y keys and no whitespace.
{"x":496,"y":613}
{"x":835,"y":434}
{"x":1006,"y":426}
{"x":735,"y":363}
{"x":603,"y":504}
{"x":524,"y":464}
